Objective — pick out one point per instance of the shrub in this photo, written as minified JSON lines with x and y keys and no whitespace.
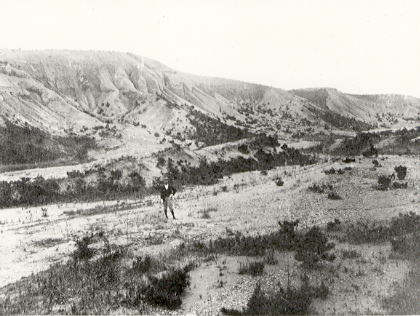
{"x":376,"y":163}
{"x":142,"y":264}
{"x":408,"y":245}
{"x":289,"y":301}
{"x":287,"y":237}
{"x":384,"y":182}
{"x":330,"y":171}
{"x":350,"y":254}
{"x":334,"y":225}
{"x":349,"y":160}
{"x":404,"y":223}
{"x":397,"y":185}
{"x":401,"y":172}
{"x":252,"y":268}
{"x":166,"y":290}
{"x":334,"y":196}
{"x":160,"y":162}
{"x":361,"y":232}
{"x":279,"y":181}
{"x":320,"y":188}
{"x":313,"y":248}
{"x":270,"y":257}
{"x":205,"y":214}
{"x":83,"y":252}
{"x":243,"y":149}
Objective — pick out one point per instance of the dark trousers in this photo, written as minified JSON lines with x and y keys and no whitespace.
{"x":167,"y":203}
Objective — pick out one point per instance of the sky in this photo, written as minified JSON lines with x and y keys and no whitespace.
{"x":356,"y":46}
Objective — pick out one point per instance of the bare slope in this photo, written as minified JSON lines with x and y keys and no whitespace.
{"x":64,"y":91}
{"x":373,"y":109}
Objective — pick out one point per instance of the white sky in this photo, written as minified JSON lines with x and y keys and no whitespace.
{"x":357,"y":46}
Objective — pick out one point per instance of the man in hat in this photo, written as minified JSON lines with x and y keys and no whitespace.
{"x":166,"y":194}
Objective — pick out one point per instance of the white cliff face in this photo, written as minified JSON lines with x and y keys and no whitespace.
{"x":61,"y":90}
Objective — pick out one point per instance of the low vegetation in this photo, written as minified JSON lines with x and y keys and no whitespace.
{"x":207,"y":173}
{"x":97,"y":282}
{"x":313,"y":248}
{"x":282,"y":301}
{"x":363,"y":232}
{"x":211,"y":131}
{"x":252,"y":268}
{"x":27,"y":144}
{"x":107,"y":185}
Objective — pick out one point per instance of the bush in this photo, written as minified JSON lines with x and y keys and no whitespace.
{"x":243,"y":149}
{"x":320,"y":188}
{"x":142,"y":264}
{"x":289,"y":301}
{"x":334,"y":225}
{"x":330,"y":171}
{"x":350,"y":254}
{"x":361,"y":232}
{"x":397,"y":185}
{"x":83,"y":252}
{"x":334,"y":196}
{"x":401,"y":172}
{"x":408,"y":245}
{"x":384,"y":182}
{"x":270,"y":257}
{"x":349,"y":160}
{"x":279,"y":181}
{"x":166,"y":290}
{"x":313,"y":248}
{"x":252,"y":268}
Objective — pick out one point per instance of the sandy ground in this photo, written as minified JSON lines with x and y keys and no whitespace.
{"x":251,"y":204}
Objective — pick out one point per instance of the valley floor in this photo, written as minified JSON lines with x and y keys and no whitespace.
{"x":248,"y":202}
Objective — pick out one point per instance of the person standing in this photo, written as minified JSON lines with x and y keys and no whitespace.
{"x":166,"y":195}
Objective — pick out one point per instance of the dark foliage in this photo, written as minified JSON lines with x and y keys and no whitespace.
{"x":22,"y":145}
{"x":83,"y":252}
{"x":407,"y":245}
{"x":330,"y":171}
{"x":166,"y":290}
{"x":211,"y":131}
{"x":401,"y":172}
{"x":279,"y":181}
{"x":398,"y":185}
{"x":96,"y":286}
{"x":289,"y":301}
{"x":313,"y":248}
{"x":252,"y":268}
{"x":349,"y":160}
{"x":334,"y":196}
{"x":334,"y":225}
{"x":142,"y":264}
{"x":375,"y":233}
{"x":320,"y":188}
{"x":42,"y":191}
{"x":372,"y":151}
{"x":384,"y":182}
{"x":207,"y":173}
{"x":243,"y":149}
